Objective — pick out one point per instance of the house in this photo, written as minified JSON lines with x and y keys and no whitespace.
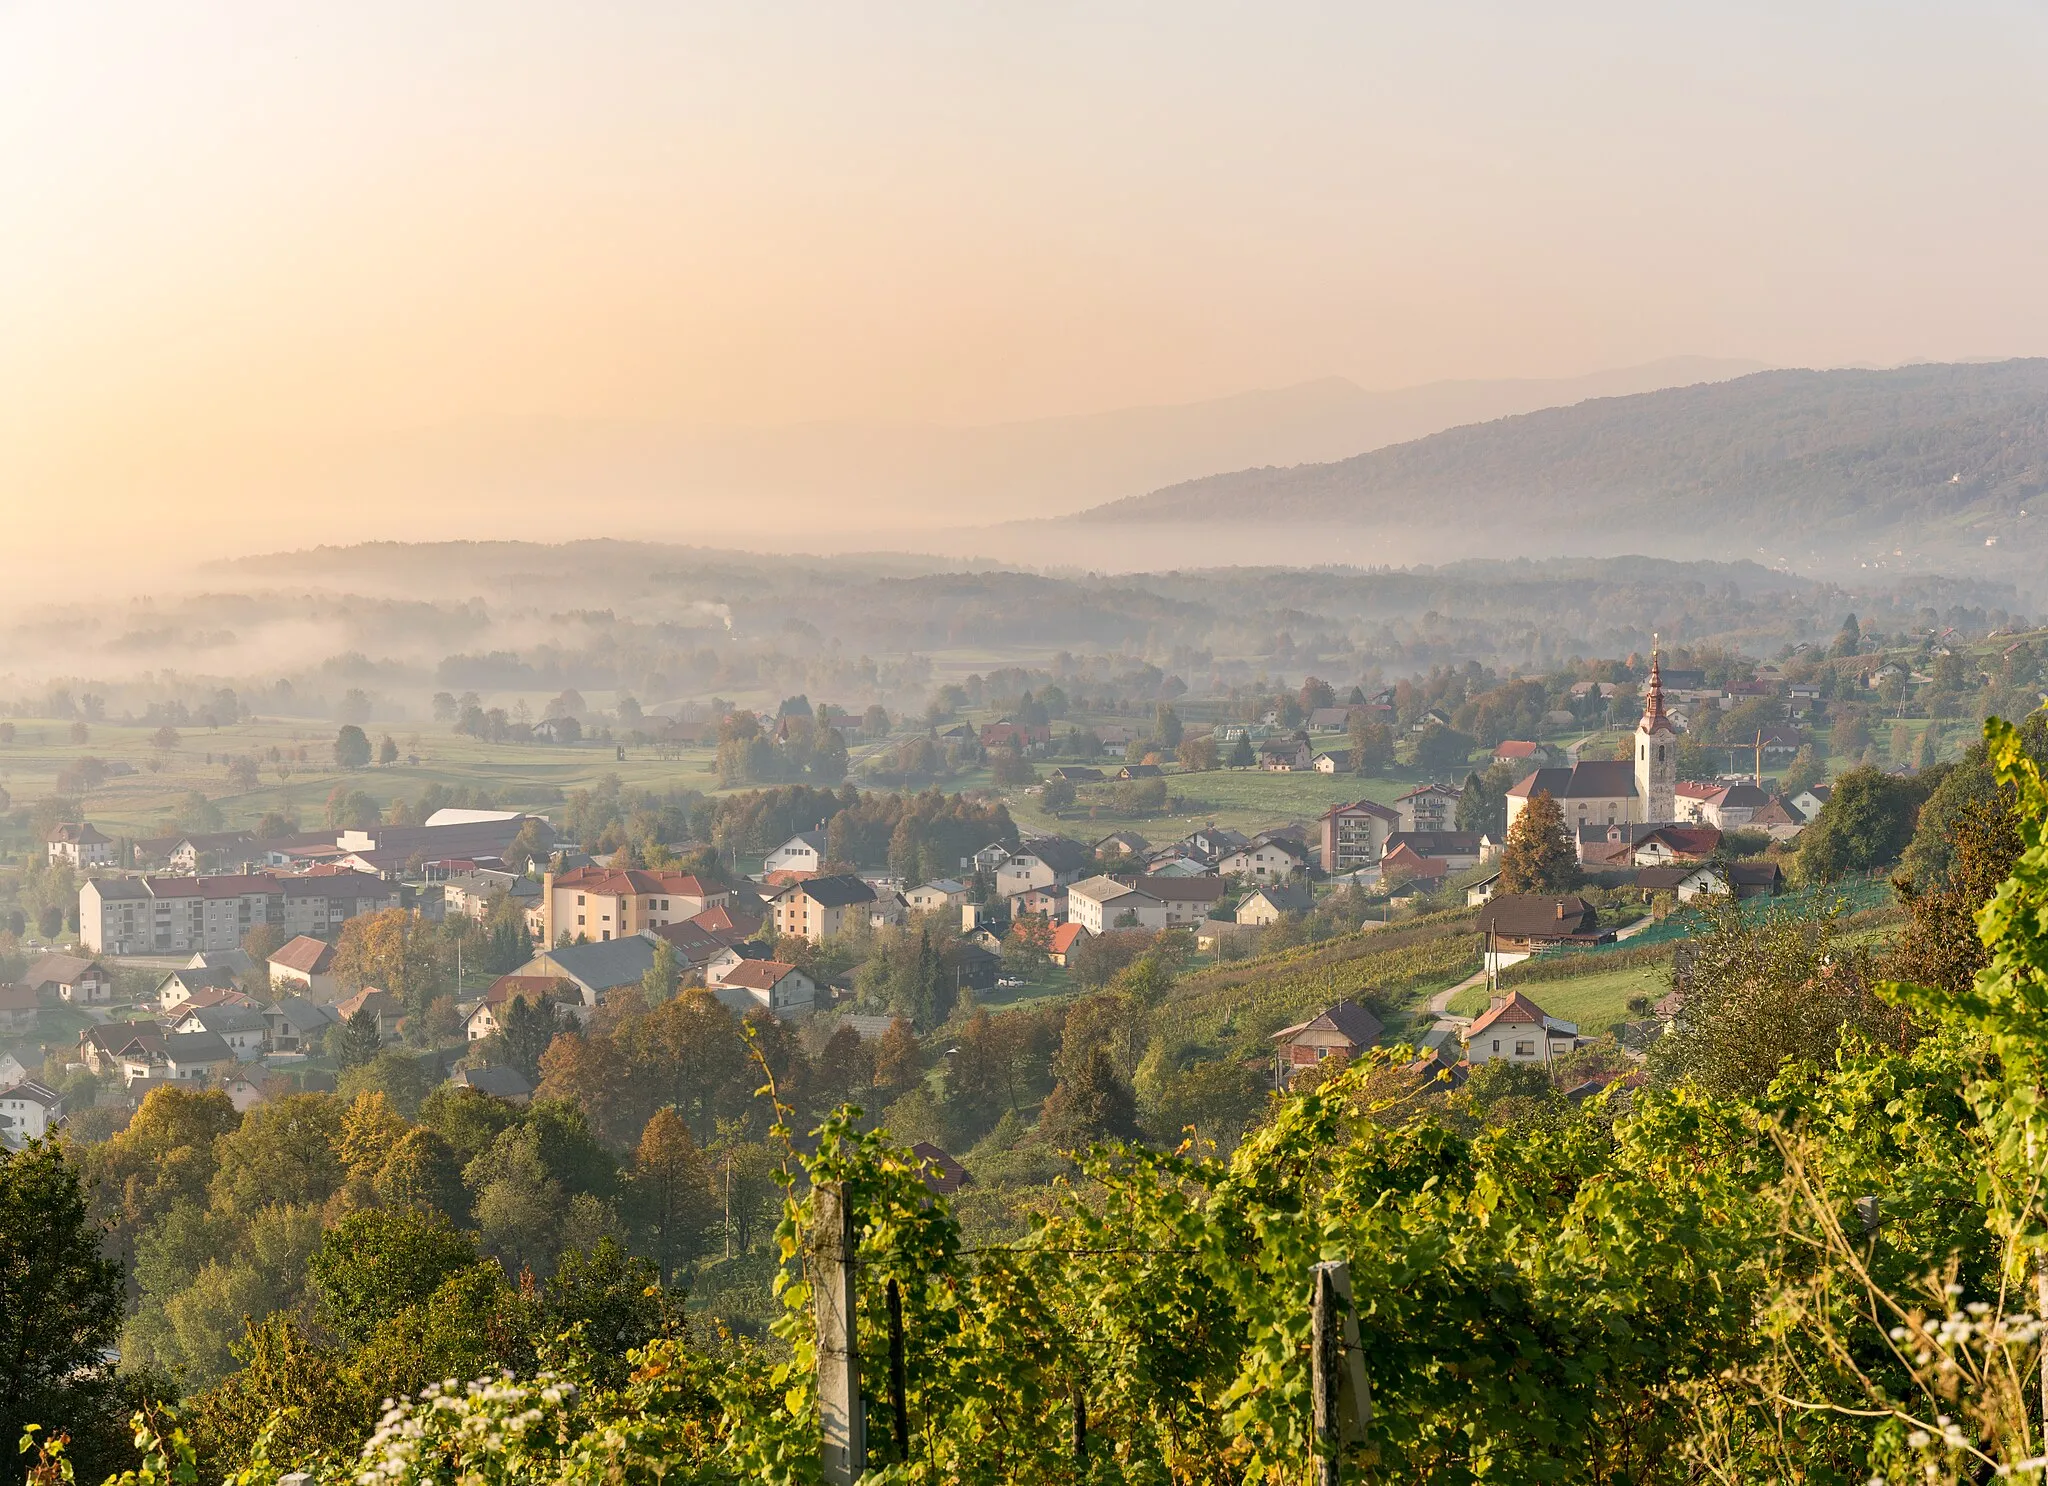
{"x":1431,"y":807}
{"x":1264,"y":905}
{"x":1809,"y":802}
{"x":1515,"y":1029}
{"x":73,"y":979}
{"x":779,"y":989}
{"x":1343,"y":1032}
{"x":101,"y":1045}
{"x":190,"y":1057}
{"x":1008,"y":733}
{"x":987,"y":859}
{"x":1685,"y":883}
{"x":819,"y":907}
{"x":1756,"y":879}
{"x":1122,"y":843}
{"x":243,"y":1028}
{"x":1355,"y":835}
{"x":1041,"y":861}
{"x":243,"y":1092}
{"x":304,"y":964}
{"x":1517,"y":925}
{"x":487,"y":1016}
{"x":1482,"y":891}
{"x":1077,"y":774}
{"x":1520,"y":754}
{"x":28,"y":1111}
{"x":508,"y":1084}
{"x":1049,"y":903}
{"x":80,"y":844}
{"x":1457,"y":849}
{"x":973,"y":966}
{"x":12,"y":1070}
{"x":599,"y":903}
{"x":1329,"y":719}
{"x":803,"y":852}
{"x":1064,"y":938}
{"x":1638,"y":844}
{"x":734,"y":955}
{"x":596,"y":969}
{"x":1285,"y":755}
{"x":180,"y":987}
{"x":1327,"y":762}
{"x":1406,"y":867}
{"x":1778,"y":820}
{"x":1263,"y":861}
{"x":1140,"y":771}
{"x":934,"y":897}
{"x":295,"y":1024}
{"x":942,"y":1174}
{"x":470,"y":894}
{"x":1115,"y":739}
{"x":1172,"y":863}
{"x":1101,"y":904}
{"x":1726,"y":807}
{"x":19,"y":1007}
{"x":378,"y":1003}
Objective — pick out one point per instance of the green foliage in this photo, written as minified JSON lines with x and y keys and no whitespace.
{"x":373,"y":1265}
{"x":1540,"y":855}
{"x":1866,"y":823}
{"x":351,"y":748}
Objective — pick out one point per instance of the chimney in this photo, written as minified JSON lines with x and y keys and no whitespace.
{"x":1560,"y":908}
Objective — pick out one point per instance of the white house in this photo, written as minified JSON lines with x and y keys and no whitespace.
{"x":76,"y":980}
{"x":1264,"y":905}
{"x":243,"y":1028}
{"x":1045,"y":861}
{"x":803,"y":852}
{"x":305,"y":965}
{"x":28,"y":1111}
{"x":1515,"y":1029}
{"x":1100,"y":904}
{"x":767,"y":985}
{"x":932,"y":897}
{"x":80,"y":844}
{"x":1261,"y":861}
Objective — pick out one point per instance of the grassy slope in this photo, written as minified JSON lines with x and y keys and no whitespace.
{"x":1596,"y":1002}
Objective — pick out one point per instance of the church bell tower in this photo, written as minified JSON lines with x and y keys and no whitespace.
{"x":1656,"y":753}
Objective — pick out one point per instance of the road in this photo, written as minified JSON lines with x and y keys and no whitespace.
{"x":1440,"y":1003}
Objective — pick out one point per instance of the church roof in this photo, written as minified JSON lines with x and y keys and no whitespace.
{"x":1592,"y":779}
{"x":1654,"y":720}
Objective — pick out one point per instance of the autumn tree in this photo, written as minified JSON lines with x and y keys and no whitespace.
{"x":1540,"y":855}
{"x":672,"y":1191}
{"x":351,"y":748}
{"x":393,"y":949}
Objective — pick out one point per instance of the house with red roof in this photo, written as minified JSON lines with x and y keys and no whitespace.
{"x":1064,"y":938}
{"x":594,"y":904}
{"x":1515,"y":1029}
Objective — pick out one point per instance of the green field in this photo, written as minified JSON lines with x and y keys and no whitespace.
{"x":1240,"y":799}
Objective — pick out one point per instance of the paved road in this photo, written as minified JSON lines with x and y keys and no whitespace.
{"x":1440,"y":1003}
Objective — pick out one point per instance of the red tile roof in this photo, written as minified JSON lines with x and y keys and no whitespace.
{"x":1515,"y":1010}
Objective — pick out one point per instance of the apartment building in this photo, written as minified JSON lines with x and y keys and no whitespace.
{"x":184,"y":915}
{"x":600,"y":903}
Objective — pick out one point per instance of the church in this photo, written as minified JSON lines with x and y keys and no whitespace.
{"x":1615,"y":791}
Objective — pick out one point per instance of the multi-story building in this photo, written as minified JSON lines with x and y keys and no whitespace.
{"x":1355,"y":835}
{"x":183,"y":915}
{"x":80,"y":844}
{"x":600,"y":903}
{"x":1430,"y":807}
{"x":819,"y":907}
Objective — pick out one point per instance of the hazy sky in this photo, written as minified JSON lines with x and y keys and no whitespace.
{"x":228,"y":230}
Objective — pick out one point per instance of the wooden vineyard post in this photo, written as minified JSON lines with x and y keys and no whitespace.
{"x":899,"y":1391}
{"x":841,"y":1428}
{"x":1340,"y":1397}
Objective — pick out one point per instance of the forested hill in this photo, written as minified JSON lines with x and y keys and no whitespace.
{"x":1951,"y":451}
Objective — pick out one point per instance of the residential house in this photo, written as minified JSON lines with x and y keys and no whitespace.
{"x":1285,"y":755}
{"x":470,"y":894}
{"x":19,"y":1008}
{"x":1263,"y":861}
{"x":80,"y":844}
{"x":1077,"y":774}
{"x":1482,"y":891}
{"x":1756,"y":879}
{"x":536,"y":990}
{"x":1638,"y":844}
{"x":1685,"y":882}
{"x":987,"y":859}
{"x":1518,"y":753}
{"x":305,"y":964}
{"x":380,"y":1004}
{"x":101,"y":1045}
{"x":1517,"y":925}
{"x":1457,"y":849}
{"x":1115,"y":738}
{"x":1429,"y":807}
{"x":935,"y":897}
{"x":1726,"y":807}
{"x":972,"y":966}
{"x":1264,"y":905}
{"x":1515,"y":1029}
{"x":1122,"y":843}
{"x":1404,"y":866}
{"x":597,"y":968}
{"x":1100,"y":904}
{"x":296,"y":1024}
{"x":508,"y":1084}
{"x":212,"y":850}
{"x":179,"y":988}
{"x":243,"y":1028}
{"x":779,"y":989}
{"x":803,"y":852}
{"x":819,"y":907}
{"x":243,"y":1092}
{"x":699,"y":945}
{"x":1041,"y":862}
{"x":943,"y":1176}
{"x":1009,"y":733}
{"x":188,"y":1057}
{"x":28,"y":1111}
{"x":1064,"y":938}
{"x":733,"y":956}
{"x":1140,"y":771}
{"x":1049,"y":903}
{"x":1778,"y":820}
{"x":12,"y":1070}
{"x":1327,"y":762}
{"x":1809,"y":802}
{"x":1355,"y":835}
{"x":76,"y":980}
{"x":1343,"y":1032}
{"x":1329,"y":719}
{"x":599,"y":903}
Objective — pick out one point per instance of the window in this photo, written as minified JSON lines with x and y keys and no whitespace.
{"x":1496,"y":1044}
{"x":1525,"y":1048}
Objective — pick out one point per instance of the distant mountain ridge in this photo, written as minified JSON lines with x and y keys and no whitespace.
{"x":1944,"y":454}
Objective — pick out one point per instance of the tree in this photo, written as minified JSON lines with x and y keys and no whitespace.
{"x":393,"y":949}
{"x":374,"y":1264}
{"x":1372,"y":745}
{"x":1166,"y":726}
{"x":663,"y":976}
{"x":1090,"y":1103}
{"x":525,"y":1028}
{"x":387,"y":750}
{"x":422,"y":1171}
{"x":359,"y":1040}
{"x":1441,"y":749}
{"x":401,"y":1077}
{"x":1011,"y":769}
{"x":1939,"y":945}
{"x":1540,"y":855}
{"x":285,"y":1151}
{"x":351,"y":747}
{"x":1803,"y":773}
{"x":1483,"y":803}
{"x":60,"y":1300}
{"x":1865,"y":824}
{"x":1316,"y":694}
{"x":1849,"y":641}
{"x":1197,"y":752}
{"x":163,"y":740}
{"x":672,"y":1192}
{"x":1057,"y":795}
{"x":1241,"y":755}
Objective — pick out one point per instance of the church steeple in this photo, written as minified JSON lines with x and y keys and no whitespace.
{"x":1656,"y":751}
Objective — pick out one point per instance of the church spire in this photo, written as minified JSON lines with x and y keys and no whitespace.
{"x":1654,"y":719}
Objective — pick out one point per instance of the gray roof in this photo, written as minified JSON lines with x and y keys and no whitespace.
{"x":197,"y":1047}
{"x":837,"y":892}
{"x":226,"y":1019}
{"x":597,"y":967}
{"x":1286,"y":899}
{"x":504,"y":1083}
{"x":298,"y":1012}
{"x":55,"y":969}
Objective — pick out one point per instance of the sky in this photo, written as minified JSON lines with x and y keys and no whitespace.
{"x":244,"y":245}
